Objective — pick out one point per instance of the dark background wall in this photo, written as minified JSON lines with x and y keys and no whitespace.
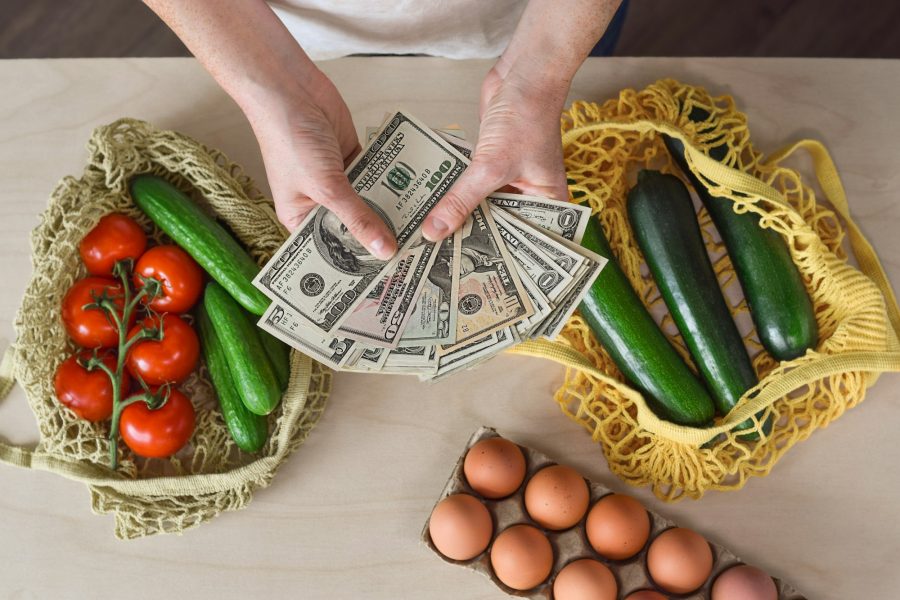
{"x":860,"y":28}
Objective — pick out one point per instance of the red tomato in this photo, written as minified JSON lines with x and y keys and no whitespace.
{"x":92,"y":327}
{"x":159,"y":432}
{"x":114,"y":238}
{"x":88,"y":393}
{"x":181,"y":278}
{"x":169,"y":360}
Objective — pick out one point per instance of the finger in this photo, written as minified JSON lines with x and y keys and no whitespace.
{"x":359,"y":219}
{"x":480,"y":179}
{"x":292,"y":210}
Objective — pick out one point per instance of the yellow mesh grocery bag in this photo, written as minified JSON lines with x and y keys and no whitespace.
{"x":211,"y":475}
{"x":605,"y":146}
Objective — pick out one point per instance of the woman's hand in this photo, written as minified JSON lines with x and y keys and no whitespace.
{"x":518,"y":145}
{"x":307,"y":139}
{"x":521,"y":100}
{"x":303,"y":127}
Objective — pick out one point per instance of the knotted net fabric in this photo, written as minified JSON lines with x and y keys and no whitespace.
{"x":211,"y":474}
{"x":605,"y":145}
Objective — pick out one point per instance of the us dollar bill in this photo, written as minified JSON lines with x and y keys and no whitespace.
{"x":381,"y":317}
{"x":293,"y":331}
{"x":491,"y":295}
{"x":551,"y":279}
{"x":433,"y":319}
{"x":322,"y":272}
{"x":565,"y":219}
{"x":472,"y":354}
{"x":569,"y":257}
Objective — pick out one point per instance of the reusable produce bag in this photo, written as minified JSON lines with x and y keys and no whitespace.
{"x":605,"y":145}
{"x":211,"y":475}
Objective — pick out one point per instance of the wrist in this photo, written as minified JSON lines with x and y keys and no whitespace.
{"x":276,"y":87}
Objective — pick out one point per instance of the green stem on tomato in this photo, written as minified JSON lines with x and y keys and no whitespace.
{"x":150,"y":290}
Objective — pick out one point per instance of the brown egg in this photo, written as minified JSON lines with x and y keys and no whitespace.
{"x":617,"y":526}
{"x":556,"y":497}
{"x":744,"y":582}
{"x":679,"y":560}
{"x":522,"y":557}
{"x":494,"y":467}
{"x":646,"y":595}
{"x":460,"y":527}
{"x":585,"y":579}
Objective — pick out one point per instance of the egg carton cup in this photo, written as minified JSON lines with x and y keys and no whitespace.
{"x":572,"y":544}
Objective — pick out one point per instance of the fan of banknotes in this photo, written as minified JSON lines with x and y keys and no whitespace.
{"x":514,"y":271}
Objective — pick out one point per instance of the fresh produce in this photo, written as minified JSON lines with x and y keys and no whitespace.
{"x":180,"y":276}
{"x":622,"y":324}
{"x":85,"y":321}
{"x":88,"y":393}
{"x":743,"y":582}
{"x":779,"y":304}
{"x":203,"y":238}
{"x":679,"y":560}
{"x":585,"y":579}
{"x":460,"y":527}
{"x":157,"y":423}
{"x":116,"y":237}
{"x":251,"y":370}
{"x":279,"y":355}
{"x":522,"y":557}
{"x":495,"y":468}
{"x":556,"y":497}
{"x":168,"y":354}
{"x":248,"y":430}
{"x":617,"y":527}
{"x":665,"y":225}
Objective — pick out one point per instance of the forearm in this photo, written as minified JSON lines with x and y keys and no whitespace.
{"x":553,"y":38}
{"x":245,"y":47}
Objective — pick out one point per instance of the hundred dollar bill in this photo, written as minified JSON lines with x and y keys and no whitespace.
{"x":381,"y":317}
{"x":411,"y":360}
{"x":550,"y":278}
{"x":321,"y":272}
{"x":491,"y":295}
{"x":293,"y":331}
{"x":565,"y":219}
{"x":433,"y":320}
{"x":461,"y":145}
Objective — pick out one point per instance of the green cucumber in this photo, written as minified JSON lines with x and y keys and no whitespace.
{"x":248,"y":430}
{"x":253,"y":374}
{"x":202,"y":237}
{"x":779,"y":303}
{"x":622,"y":324}
{"x":665,"y":225}
{"x":280,"y":357}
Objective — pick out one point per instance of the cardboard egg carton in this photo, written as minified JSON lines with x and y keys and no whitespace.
{"x":571,"y":544}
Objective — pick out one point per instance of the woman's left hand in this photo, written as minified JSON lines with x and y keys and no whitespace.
{"x":518,"y":145}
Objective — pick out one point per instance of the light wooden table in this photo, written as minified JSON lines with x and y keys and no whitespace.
{"x":343,"y":517}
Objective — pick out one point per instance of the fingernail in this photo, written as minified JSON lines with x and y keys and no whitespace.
{"x":437,"y":230}
{"x":380,"y":248}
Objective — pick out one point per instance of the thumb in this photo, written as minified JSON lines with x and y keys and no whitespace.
{"x":359,"y":219}
{"x":477,"y":181}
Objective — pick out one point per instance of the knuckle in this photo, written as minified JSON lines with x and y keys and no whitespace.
{"x":457,"y":207}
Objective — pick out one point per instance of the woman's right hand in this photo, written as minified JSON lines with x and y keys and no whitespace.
{"x":303,"y":127}
{"x":307,"y":139}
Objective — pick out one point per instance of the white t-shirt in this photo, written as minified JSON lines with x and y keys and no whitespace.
{"x":451,"y":28}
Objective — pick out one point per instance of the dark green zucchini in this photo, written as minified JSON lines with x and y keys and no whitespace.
{"x":775,"y":293}
{"x":622,"y":324}
{"x":202,"y":237}
{"x":665,"y":225}
{"x":248,"y":430}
